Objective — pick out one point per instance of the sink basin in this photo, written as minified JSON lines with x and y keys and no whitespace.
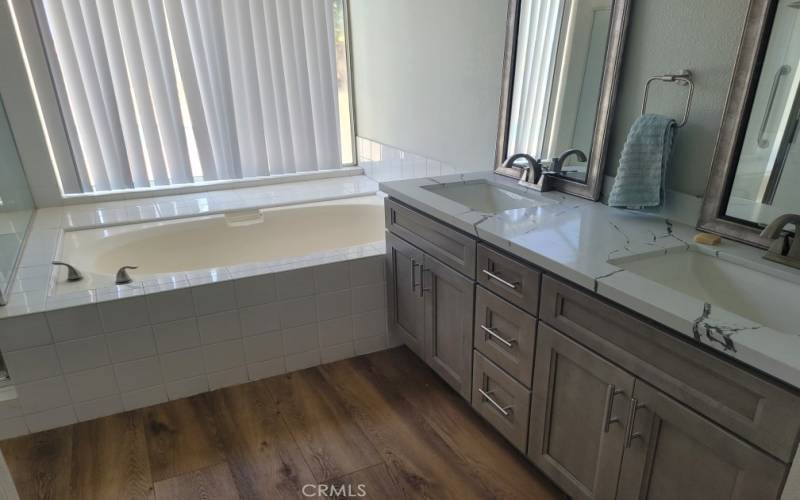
{"x":484,"y":196}
{"x":751,"y":294}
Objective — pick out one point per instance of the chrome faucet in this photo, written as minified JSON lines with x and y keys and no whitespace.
{"x":784,"y":248}
{"x":532,"y":165}
{"x":123,"y":277}
{"x":556,"y":164}
{"x":72,"y":273}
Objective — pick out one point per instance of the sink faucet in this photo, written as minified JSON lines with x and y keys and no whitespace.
{"x":532,"y":165}
{"x":556,"y":164}
{"x":784,"y":249}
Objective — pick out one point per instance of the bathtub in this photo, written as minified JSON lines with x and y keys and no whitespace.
{"x":224,"y":244}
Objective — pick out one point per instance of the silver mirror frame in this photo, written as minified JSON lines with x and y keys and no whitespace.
{"x":755,"y":37}
{"x":592,"y":188}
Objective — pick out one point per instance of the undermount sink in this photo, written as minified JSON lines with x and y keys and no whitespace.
{"x":483,"y":196}
{"x":751,"y":294}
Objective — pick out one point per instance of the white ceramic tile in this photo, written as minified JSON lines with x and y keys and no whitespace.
{"x":74,"y":322}
{"x":370,"y":324}
{"x":227,"y":378}
{"x":97,"y":408}
{"x":144,"y":397}
{"x":131,"y":344}
{"x":92,"y":384}
{"x":298,"y":312}
{"x":297,"y":283}
{"x":214,"y":298}
{"x":43,"y":394}
{"x":139,"y":373}
{"x":336,"y":331}
{"x":300,"y":339}
{"x":123,"y":314}
{"x":260,"y":319}
{"x":366,"y":271}
{"x":334,"y":305}
{"x":368,"y":298}
{"x":266,"y":369}
{"x":177,"y":335}
{"x":187,"y":387}
{"x":170,"y":306}
{"x":10,"y":405}
{"x":263,"y":347}
{"x":256,"y":290}
{"x":332,"y":277}
{"x":82,"y":354}
{"x":372,"y":344}
{"x":20,"y":332}
{"x":182,"y":364}
{"x":219,"y":327}
{"x":32,"y":364}
{"x":51,"y":419}
{"x":337,"y":352}
{"x":302,"y":360}
{"x":223,"y":355}
{"x":13,"y":427}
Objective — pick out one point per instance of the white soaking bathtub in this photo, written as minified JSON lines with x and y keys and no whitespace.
{"x":174,"y":249}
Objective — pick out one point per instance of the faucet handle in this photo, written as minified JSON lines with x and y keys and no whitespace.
{"x":72,"y":273}
{"x":123,"y":277}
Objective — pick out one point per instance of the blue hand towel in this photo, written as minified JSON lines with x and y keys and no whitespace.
{"x":643,"y":164}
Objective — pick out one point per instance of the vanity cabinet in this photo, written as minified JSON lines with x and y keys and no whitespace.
{"x":406,"y":300}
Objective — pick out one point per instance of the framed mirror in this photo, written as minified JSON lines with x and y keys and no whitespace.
{"x":755,"y":175}
{"x":560,"y":76}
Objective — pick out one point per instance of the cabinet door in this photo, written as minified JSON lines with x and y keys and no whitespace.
{"x":406,"y":303}
{"x":449,"y":298}
{"x":673,"y":452}
{"x":577,"y":416}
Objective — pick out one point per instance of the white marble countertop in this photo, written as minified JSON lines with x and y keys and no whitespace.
{"x":575,"y":239}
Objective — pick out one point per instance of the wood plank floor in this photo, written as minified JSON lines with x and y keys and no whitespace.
{"x":381,"y":426}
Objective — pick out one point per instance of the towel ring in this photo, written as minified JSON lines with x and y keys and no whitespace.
{"x":684,"y":78}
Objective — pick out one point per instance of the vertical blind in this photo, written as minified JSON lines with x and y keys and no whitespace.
{"x":162,"y":92}
{"x":537,"y":42}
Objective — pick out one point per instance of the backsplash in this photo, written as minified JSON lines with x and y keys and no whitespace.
{"x":386,"y":163}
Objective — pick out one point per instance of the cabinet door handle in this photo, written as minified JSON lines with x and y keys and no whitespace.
{"x":611,"y":393}
{"x":497,"y":278}
{"x":414,"y":267}
{"x":494,"y":335}
{"x":504,"y":410}
{"x":633,"y":407}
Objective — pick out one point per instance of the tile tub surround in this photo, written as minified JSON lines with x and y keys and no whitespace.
{"x":575,"y":239}
{"x":92,"y":360}
{"x":30,"y":289}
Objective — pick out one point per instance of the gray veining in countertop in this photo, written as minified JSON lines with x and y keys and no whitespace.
{"x":580,"y":241}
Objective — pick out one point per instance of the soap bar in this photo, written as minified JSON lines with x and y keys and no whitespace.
{"x":707,"y":239}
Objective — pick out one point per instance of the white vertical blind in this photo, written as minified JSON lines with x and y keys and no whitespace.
{"x":537,"y":42}
{"x":160,"y":92}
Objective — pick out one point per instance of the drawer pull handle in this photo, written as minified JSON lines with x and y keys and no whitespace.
{"x":611,"y":393}
{"x":504,"y":410}
{"x":497,"y":278}
{"x":633,"y":407}
{"x":494,"y":335}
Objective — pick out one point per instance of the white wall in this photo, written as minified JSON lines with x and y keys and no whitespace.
{"x":427,"y":76}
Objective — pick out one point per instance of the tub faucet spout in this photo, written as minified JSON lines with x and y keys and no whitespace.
{"x":123,"y":277}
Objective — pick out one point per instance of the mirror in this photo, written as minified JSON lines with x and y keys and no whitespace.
{"x":16,"y":204}
{"x":562,"y":61}
{"x":756,"y":172}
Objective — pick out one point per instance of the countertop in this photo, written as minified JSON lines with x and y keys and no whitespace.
{"x":580,"y":240}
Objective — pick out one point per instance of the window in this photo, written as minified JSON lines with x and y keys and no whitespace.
{"x":166,"y":92}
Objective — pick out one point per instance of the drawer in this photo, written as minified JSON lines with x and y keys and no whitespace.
{"x":761,"y":412}
{"x":446,"y":244}
{"x":516,"y":282}
{"x":505,"y":334}
{"x":501,"y":400}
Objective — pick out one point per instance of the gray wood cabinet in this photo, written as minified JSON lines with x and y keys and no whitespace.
{"x":672,"y":452}
{"x":404,"y":290}
{"x":449,"y":298}
{"x":577,"y":416}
